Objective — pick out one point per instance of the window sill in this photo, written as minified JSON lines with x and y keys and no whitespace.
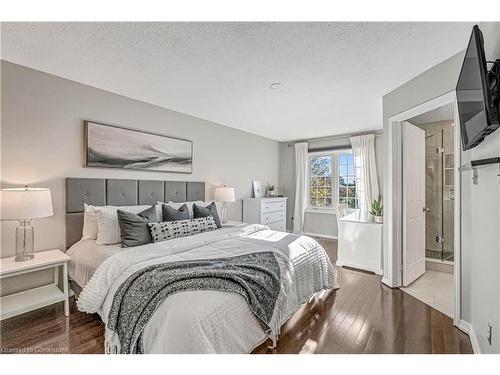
{"x":324,"y":211}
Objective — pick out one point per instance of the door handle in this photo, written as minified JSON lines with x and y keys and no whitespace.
{"x":426,"y":209}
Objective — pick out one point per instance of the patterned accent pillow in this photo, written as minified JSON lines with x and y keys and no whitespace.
{"x":168,"y":230}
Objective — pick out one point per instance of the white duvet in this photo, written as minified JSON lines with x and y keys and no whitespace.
{"x":210,"y":321}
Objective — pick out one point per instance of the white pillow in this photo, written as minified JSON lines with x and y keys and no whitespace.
{"x":108,"y":228}
{"x":89,"y":223}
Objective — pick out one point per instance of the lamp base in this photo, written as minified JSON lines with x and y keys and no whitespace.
{"x":224,"y":213}
{"x":23,"y":258}
{"x":24,"y":241}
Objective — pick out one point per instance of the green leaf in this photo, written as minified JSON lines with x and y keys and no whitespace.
{"x":376,"y":208}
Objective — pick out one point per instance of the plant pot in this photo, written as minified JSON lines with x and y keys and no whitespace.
{"x":379,"y":219}
{"x":271,"y":193}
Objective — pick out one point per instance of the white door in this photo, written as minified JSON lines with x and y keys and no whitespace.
{"x":413,"y":203}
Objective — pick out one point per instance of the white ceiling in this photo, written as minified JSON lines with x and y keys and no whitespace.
{"x":333,"y":74}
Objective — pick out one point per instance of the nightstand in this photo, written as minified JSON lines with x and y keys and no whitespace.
{"x":31,"y":299}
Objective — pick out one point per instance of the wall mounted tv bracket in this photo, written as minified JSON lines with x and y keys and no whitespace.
{"x":494,"y":82}
{"x":476,"y":165}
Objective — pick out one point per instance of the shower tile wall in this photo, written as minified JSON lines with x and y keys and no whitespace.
{"x":448,"y":192}
{"x":439,"y":193}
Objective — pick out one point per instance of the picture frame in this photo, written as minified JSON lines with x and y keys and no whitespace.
{"x":112,"y":146}
{"x":258,"y":190}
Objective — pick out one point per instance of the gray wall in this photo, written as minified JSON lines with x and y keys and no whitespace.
{"x":42,"y":144}
{"x":480,"y":284}
{"x":318,"y":223}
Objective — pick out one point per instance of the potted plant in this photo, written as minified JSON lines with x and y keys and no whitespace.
{"x":271,"y":190}
{"x":377,"y":210}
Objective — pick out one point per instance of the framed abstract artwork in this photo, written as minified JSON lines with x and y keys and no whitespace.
{"x":109,"y":146}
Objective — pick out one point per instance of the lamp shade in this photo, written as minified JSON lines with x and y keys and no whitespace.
{"x":224,"y":194}
{"x":26,"y":203}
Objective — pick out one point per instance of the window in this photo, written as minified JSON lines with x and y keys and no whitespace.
{"x":347,"y":180}
{"x":321,"y":181}
{"x":332,"y":180}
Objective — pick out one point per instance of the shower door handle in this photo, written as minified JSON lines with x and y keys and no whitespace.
{"x":426,"y":209}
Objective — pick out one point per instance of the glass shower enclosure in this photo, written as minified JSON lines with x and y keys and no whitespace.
{"x":439,"y":190}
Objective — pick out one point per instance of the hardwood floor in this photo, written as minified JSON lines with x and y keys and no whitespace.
{"x":363,"y":316}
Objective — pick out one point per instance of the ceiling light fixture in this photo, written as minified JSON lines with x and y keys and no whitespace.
{"x":275,"y":86}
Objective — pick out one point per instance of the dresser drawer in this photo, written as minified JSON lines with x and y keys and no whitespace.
{"x":271,"y":217}
{"x":265,"y":211}
{"x":273,"y":206}
{"x":279,"y":226}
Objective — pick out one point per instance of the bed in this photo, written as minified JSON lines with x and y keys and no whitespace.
{"x":192,"y":321}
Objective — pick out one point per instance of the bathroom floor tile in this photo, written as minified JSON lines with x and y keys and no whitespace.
{"x":435,"y":289}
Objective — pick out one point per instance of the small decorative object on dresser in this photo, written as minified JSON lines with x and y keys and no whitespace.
{"x":258,"y":191}
{"x":21,"y":302}
{"x":24,"y":204}
{"x":271,"y":190}
{"x":377,"y":210}
{"x":268,"y":211}
{"x":225,"y":195}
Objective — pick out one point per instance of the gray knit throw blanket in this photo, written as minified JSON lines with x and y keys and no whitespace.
{"x":254,"y":276}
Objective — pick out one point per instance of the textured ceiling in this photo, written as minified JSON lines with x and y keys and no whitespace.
{"x":333,"y":74}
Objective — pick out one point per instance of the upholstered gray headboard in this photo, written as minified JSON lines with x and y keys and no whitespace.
{"x":115,"y":192}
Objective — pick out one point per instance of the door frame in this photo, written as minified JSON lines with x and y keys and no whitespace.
{"x":393,"y":193}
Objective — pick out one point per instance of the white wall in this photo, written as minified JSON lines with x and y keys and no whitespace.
{"x":481,"y":245}
{"x":480,"y":219}
{"x":318,"y":223}
{"x":42,"y":144}
{"x":481,"y":230}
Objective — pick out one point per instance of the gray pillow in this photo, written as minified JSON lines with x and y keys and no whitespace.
{"x":210,"y":210}
{"x":174,"y":229}
{"x":134,"y":230}
{"x":172,"y":214}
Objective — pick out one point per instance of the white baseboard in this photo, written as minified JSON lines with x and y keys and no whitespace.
{"x":467,"y":328}
{"x":464,"y":326}
{"x":321,"y":235}
{"x":386,"y":282}
{"x":377,"y":271}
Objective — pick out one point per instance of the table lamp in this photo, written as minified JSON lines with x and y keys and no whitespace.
{"x":225,"y":195}
{"x":24,"y":204}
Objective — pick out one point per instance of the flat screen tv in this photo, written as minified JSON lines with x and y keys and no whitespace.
{"x":478,"y":115}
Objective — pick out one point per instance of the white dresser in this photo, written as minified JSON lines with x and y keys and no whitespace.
{"x":360,"y":242}
{"x":268,"y":211}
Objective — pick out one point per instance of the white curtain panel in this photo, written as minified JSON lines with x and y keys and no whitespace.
{"x":363,"y":149}
{"x":301,"y":153}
